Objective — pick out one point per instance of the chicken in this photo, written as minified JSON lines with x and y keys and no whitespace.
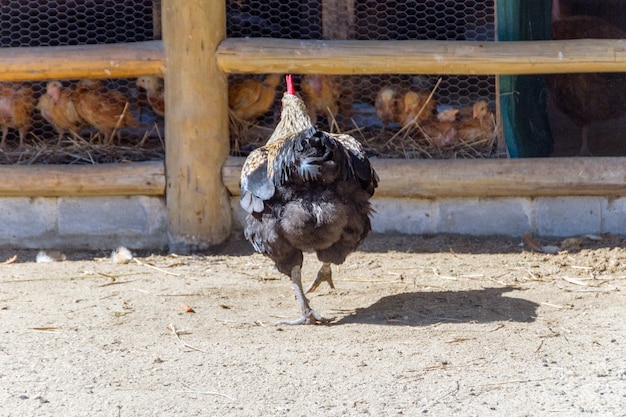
{"x":470,"y":112}
{"x":586,"y":97}
{"x":441,"y":130}
{"x":57,"y":107}
{"x":321,"y":95}
{"x":480,"y":127}
{"x":249,"y":99}
{"x":415,"y":107}
{"x":17,"y":103}
{"x":387,"y":105}
{"x":306,"y":189}
{"x":104,"y":109}
{"x":155,"y":92}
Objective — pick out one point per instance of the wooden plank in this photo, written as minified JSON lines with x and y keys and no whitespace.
{"x":156,"y":20}
{"x":122,"y":60}
{"x":265,"y":55}
{"x":532,"y":177}
{"x":196,"y":125}
{"x":331,"y":57}
{"x":136,"y":178}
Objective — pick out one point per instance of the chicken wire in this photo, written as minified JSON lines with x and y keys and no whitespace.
{"x":29,"y":23}
{"x":33,"y":23}
{"x":458,"y":20}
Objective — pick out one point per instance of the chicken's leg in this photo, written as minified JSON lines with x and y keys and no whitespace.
{"x":5,"y":132}
{"x":584,"y":146}
{"x":309,"y":316}
{"x":22,"y":133}
{"x":324,"y":274}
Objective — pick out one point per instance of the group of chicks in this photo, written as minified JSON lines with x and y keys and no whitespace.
{"x":413,"y":109}
{"x":250,"y":98}
{"x":416,"y":109}
{"x":90,"y":103}
{"x":71,"y":109}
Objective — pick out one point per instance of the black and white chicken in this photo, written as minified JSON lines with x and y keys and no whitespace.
{"x":306,"y":189}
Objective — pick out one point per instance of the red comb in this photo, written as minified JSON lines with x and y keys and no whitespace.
{"x":290,"y":89}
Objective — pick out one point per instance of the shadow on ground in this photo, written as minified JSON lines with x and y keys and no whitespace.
{"x":427,"y":308}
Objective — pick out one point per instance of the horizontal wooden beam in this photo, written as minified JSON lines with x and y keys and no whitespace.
{"x":136,"y":178}
{"x":265,"y":55}
{"x":533,"y":177}
{"x":122,"y":60}
{"x":399,"y":178}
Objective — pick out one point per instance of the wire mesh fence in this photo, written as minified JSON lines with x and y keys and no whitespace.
{"x":51,"y":122}
{"x":353,"y":103}
{"x":346,"y":103}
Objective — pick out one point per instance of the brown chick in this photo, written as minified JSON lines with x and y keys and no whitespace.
{"x":416,"y":107}
{"x":57,"y":107}
{"x":249,"y":99}
{"x":321,"y":95}
{"x":155,"y":92}
{"x":17,"y":102}
{"x":102,"y":108}
{"x":470,"y":112}
{"x":441,"y":129}
{"x":480,"y":126}
{"x":387,"y":105}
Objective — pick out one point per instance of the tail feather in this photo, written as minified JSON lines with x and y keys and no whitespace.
{"x":308,"y":158}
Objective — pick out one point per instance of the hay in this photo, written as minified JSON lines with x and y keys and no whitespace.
{"x":89,"y":148}
{"x":412,"y":143}
{"x":408,"y":142}
{"x":146,"y":143}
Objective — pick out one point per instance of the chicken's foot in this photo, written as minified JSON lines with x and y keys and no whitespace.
{"x":324,"y":274}
{"x":309,"y":316}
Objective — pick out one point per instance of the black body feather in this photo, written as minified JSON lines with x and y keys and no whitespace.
{"x":306,"y":190}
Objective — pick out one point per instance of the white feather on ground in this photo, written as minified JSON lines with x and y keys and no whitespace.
{"x":121,"y":255}
{"x":53,"y":256}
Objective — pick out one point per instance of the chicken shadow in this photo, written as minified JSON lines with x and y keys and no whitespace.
{"x":426,"y":308}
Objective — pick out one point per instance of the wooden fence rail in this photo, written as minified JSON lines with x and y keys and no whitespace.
{"x":137,"y":178}
{"x":458,"y":178}
{"x":120,"y":60}
{"x":330,"y":57}
{"x":263,"y":55}
{"x":531,"y":177}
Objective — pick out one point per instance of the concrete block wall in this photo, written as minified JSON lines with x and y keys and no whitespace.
{"x":140,"y":222}
{"x":513,"y":216}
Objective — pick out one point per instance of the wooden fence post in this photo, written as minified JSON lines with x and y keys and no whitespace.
{"x":196,"y":125}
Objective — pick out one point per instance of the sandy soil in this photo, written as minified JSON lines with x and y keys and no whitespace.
{"x":438,"y":326}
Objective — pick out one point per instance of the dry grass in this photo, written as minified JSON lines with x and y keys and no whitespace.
{"x":411,"y":143}
{"x":88,"y":148}
{"x":246,"y":136}
{"x":147,"y":144}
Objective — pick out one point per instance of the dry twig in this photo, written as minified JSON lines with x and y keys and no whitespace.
{"x":194,"y":391}
{"x":9,"y":261}
{"x":155,"y":268}
{"x":175,"y":332}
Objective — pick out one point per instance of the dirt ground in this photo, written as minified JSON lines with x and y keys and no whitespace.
{"x":426,"y":325}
